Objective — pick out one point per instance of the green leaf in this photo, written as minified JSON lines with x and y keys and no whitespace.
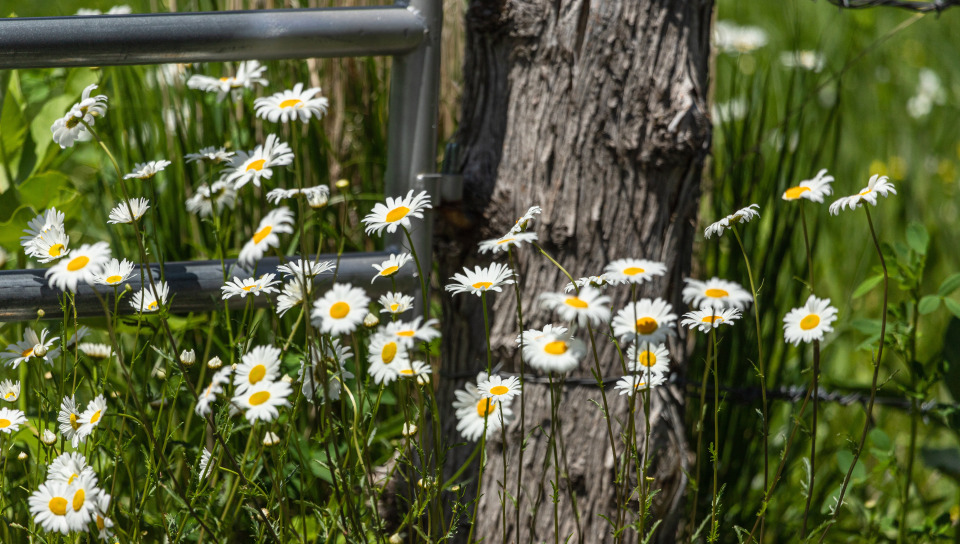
{"x":949,"y":285}
{"x":845,"y":458}
{"x":953,"y":306}
{"x":917,"y":238}
{"x":867,"y":285}
{"x":879,"y":438}
{"x":928,"y":304}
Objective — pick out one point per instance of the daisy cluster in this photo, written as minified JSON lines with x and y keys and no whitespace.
{"x":70,"y":500}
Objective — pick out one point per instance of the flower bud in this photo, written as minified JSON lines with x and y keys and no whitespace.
{"x":317,"y":200}
{"x":371,"y":321}
{"x":22,"y":456}
{"x":271,"y":439}
{"x":343,"y":183}
{"x":40,"y":350}
{"x":215,"y":363}
{"x":48,"y":437}
{"x":409,"y":429}
{"x":188,"y":357}
{"x":41,"y":313}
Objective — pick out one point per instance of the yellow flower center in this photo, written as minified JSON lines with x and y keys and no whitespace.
{"x":256,"y":165}
{"x":394,"y":307}
{"x":248,"y":287}
{"x":256,"y":374}
{"x":389,"y":270}
{"x":407,"y":372}
{"x":78,"y":499}
{"x":78,"y":263}
{"x":716,"y":293}
{"x":292,"y":103}
{"x":152,"y":306}
{"x":486,"y":407}
{"x":647,"y":325}
{"x":55,"y":250}
{"x":809,"y":322}
{"x":482,"y":285}
{"x":576,"y":302}
{"x":505,"y":241}
{"x":711,"y":318}
{"x":259,"y":398}
{"x":73,"y":422}
{"x":499,"y":389}
{"x":865,"y":191}
{"x":794,"y":193}
{"x":633,"y":271}
{"x":397,"y":214}
{"x":406,"y":334}
{"x":100,"y":523}
{"x":95,"y":417}
{"x":58,"y":505}
{"x":4,"y":423}
{"x":388,"y":352}
{"x":339,"y":310}
{"x":72,"y":122}
{"x":557,"y":347}
{"x":647,"y":359}
{"x":114,"y":279}
{"x":27,"y":353}
{"x":72,"y":477}
{"x":262,"y":233}
{"x":10,"y":394}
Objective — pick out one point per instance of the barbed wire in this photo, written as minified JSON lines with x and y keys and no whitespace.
{"x":913,"y":5}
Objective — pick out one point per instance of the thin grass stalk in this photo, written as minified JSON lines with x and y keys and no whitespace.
{"x":714,"y":528}
{"x":699,"y":430}
{"x":813,"y":436}
{"x":523,"y":402}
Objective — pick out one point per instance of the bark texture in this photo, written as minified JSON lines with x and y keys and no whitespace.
{"x":596,"y":111}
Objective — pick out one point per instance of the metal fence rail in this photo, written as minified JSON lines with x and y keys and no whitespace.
{"x":410,"y":32}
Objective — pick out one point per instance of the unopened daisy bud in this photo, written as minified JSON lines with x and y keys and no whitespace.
{"x":409,"y":429}
{"x":271,"y":439}
{"x":425,"y":483}
{"x":423,"y":379}
{"x":127,"y":287}
{"x":371,"y":321}
{"x":40,"y":312}
{"x":454,"y":488}
{"x":39,"y":350}
{"x":215,"y":363}
{"x":396,"y":539}
{"x":48,"y":437}
{"x":48,"y":375}
{"x":114,"y":394}
{"x":265,"y":512}
{"x":188,"y":357}
{"x":286,"y":378}
{"x":160,"y":373}
{"x":343,"y":183}
{"x":317,"y":200}
{"x":22,"y":456}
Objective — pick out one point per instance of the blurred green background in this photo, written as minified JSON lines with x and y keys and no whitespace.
{"x":875,"y":91}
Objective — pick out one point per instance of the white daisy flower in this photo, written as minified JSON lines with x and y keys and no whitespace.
{"x":91,"y":417}
{"x":49,"y":505}
{"x":652,"y":359}
{"x":205,"y":467}
{"x":31,"y":346}
{"x":249,"y":73}
{"x":395,"y":303}
{"x":396,"y":212}
{"x":499,"y":389}
{"x":83,"y":501}
{"x":84,"y":263}
{"x":633,"y":271}
{"x":340,"y":310}
{"x":258,"y":164}
{"x":114,"y":272}
{"x":220,"y":196}
{"x":525,"y":219}
{"x":552,"y":350}
{"x":262,"y":363}
{"x":588,"y":306}
{"x":709,"y":318}
{"x":292,"y":295}
{"x":319,"y":191}
{"x":70,"y":128}
{"x":481,"y":280}
{"x":810,"y":322}
{"x":599,"y":282}
{"x":306,"y":268}
{"x":69,"y":419}
{"x":806,"y":59}
{"x":121,"y":213}
{"x":278,"y":221}
{"x":385,"y":355}
{"x":10,"y":420}
{"x":48,"y":221}
{"x":407,"y":333}
{"x":413,"y":369}
{"x":211,"y":154}
{"x":391,"y":266}
{"x":210,"y":392}
{"x":645,"y":321}
{"x":249,"y":286}
{"x":475,"y":413}
{"x":292,"y":104}
{"x":331,"y":360}
{"x":67,"y":467}
{"x":715,"y":293}
{"x":508,"y":240}
{"x":628,"y":385}
{"x":148,"y":299}
{"x":146,"y":170}
{"x":811,"y":189}
{"x":263,"y":401}
{"x":49,"y":246}
{"x":10,"y":390}
{"x":730,"y":37}
{"x":103,"y":523}
{"x":743,"y":215}
{"x":96,"y":351}
{"x":878,"y":185}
